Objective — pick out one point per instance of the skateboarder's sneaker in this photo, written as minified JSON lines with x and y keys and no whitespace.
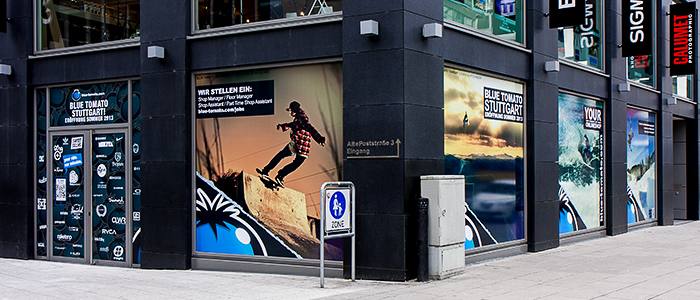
{"x":279,"y":180}
{"x":262,"y":174}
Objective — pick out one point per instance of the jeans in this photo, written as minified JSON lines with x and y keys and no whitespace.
{"x":291,"y":167}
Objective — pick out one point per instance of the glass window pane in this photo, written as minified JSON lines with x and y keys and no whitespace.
{"x":484,"y":143}
{"x":683,"y":86}
{"x":641,"y":69}
{"x":503,"y":18}
{"x":221,"y":13}
{"x":66,"y":23}
{"x":582,"y":43}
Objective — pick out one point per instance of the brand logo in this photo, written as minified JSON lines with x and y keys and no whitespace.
{"x":118,"y":156}
{"x":63,"y":213}
{"x":105,"y":144}
{"x":59,"y":222}
{"x":119,"y":220}
{"x":42,"y":180}
{"x":76,"y":209}
{"x":137,"y":216}
{"x":73,"y":177}
{"x":76,"y":254}
{"x":137,"y":192}
{"x":73,"y":229}
{"x":99,"y":239}
{"x":117,"y":200}
{"x":135,"y":148}
{"x":57,"y":152}
{"x":682,"y":33}
{"x":101,"y":210}
{"x":41,"y":158}
{"x":64,"y":237}
{"x":118,"y":251}
{"x":75,"y":95}
{"x":42,"y":227}
{"x":104,"y":249}
{"x":40,"y":245}
{"x":101,"y":170}
{"x":65,"y":141}
{"x":41,"y":204}
{"x":115,"y":178}
{"x":109,"y":231}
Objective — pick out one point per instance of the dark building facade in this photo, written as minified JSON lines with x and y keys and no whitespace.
{"x":196,"y":134}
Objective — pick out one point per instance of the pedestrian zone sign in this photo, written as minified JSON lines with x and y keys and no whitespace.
{"x":337,"y":209}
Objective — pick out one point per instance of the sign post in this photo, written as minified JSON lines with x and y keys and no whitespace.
{"x":337,"y":218}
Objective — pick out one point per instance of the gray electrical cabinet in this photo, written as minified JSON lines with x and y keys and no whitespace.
{"x":445,"y":195}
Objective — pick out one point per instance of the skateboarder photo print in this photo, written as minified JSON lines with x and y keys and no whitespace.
{"x":258,"y":172}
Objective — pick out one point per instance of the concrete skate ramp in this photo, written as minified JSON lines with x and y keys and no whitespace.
{"x":283,"y":212}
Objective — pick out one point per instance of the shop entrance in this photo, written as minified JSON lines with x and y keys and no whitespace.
{"x":680,"y":147}
{"x":88,"y":200}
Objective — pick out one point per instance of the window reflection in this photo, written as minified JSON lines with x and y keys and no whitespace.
{"x":641,"y":69}
{"x":683,"y":86}
{"x":502,"y":18}
{"x":582,"y":43}
{"x":66,"y":23}
{"x":221,"y":13}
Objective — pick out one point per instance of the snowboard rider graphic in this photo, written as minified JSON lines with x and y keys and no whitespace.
{"x":301,"y":133}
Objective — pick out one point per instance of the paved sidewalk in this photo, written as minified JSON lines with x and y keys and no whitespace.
{"x":650,"y":263}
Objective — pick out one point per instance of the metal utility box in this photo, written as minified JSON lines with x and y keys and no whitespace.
{"x":445,"y":195}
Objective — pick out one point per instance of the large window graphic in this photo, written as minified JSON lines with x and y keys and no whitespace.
{"x":266,"y":142}
{"x":66,"y":23}
{"x":222,"y":13}
{"x":583,"y":43}
{"x":484,"y":142}
{"x":580,"y":164}
{"x":502,"y":18}
{"x":641,"y":165}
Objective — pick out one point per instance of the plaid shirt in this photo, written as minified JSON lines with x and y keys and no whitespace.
{"x":301,"y":133}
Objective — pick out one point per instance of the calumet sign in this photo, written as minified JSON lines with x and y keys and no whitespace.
{"x":637,"y":33}
{"x":682,"y":27}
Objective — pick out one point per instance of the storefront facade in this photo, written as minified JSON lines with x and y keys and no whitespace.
{"x":137,"y":138}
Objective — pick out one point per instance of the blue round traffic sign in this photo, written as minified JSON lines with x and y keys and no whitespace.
{"x":337,"y":205}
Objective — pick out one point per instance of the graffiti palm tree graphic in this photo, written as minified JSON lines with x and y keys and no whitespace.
{"x":222,"y":212}
{"x":214,"y":212}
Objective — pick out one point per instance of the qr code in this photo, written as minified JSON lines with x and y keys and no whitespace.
{"x":61,"y":189}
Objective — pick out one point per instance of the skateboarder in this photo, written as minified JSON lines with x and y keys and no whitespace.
{"x":301,"y":133}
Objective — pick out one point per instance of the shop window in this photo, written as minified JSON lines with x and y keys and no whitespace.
{"x":484,"y":142}
{"x":266,"y":140}
{"x":683,"y":86}
{"x":222,"y":13}
{"x":67,"y":23}
{"x":502,"y":18}
{"x":641,"y":165}
{"x":582,"y":44}
{"x":641,"y":69}
{"x":581,"y":164}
